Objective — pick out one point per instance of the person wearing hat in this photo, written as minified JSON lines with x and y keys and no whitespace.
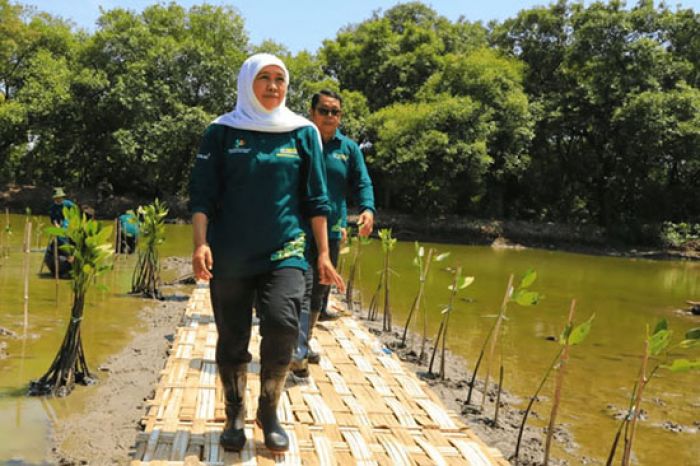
{"x":56,"y":210}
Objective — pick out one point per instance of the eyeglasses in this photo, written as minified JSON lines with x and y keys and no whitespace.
{"x":323,"y":111}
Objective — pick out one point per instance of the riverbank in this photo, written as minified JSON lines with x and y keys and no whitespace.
{"x":514,"y":234}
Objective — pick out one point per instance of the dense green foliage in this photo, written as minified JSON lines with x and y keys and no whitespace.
{"x":584,"y":114}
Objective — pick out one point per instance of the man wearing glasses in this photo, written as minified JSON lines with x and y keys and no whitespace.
{"x":346,"y":175}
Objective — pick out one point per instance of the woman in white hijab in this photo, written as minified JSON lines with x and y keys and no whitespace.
{"x":257,"y":181}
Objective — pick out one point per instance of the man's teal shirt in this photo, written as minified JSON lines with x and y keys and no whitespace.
{"x":347,"y":176}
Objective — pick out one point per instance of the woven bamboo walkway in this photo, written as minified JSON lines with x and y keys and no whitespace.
{"x":359,"y":407}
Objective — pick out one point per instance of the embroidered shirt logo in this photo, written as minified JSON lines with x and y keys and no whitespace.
{"x":292,"y":248}
{"x":290,"y":152}
{"x":204,"y":156}
{"x":238,"y":147}
{"x":340,"y":156}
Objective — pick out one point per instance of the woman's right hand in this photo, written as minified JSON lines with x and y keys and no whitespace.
{"x":202,"y":262}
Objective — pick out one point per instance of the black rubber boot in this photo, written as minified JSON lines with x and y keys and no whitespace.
{"x":312,"y":356}
{"x":271,"y":386}
{"x":234,"y":380}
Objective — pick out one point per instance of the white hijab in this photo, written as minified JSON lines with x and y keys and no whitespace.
{"x":249,"y":113}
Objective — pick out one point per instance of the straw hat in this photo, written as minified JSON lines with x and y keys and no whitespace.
{"x":58,"y":192}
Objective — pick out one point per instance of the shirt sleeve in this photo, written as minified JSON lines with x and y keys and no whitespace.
{"x":360,"y":182}
{"x":205,"y":179}
{"x":314,"y":194}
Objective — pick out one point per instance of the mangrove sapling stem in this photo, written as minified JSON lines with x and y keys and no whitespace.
{"x":494,"y":340}
{"x":623,"y":424}
{"x":447,"y":312}
{"x":559,"y":382}
{"x":436,"y":345}
{"x":498,"y":395}
{"x":422,"y":274}
{"x":641,"y":383}
{"x":372,"y":308}
{"x":387,"y":308}
{"x":530,"y":403}
{"x":351,"y":277}
{"x":55,"y":263}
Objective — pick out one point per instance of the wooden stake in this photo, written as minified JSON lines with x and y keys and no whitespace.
{"x":27,"y":252}
{"x":55,"y":263}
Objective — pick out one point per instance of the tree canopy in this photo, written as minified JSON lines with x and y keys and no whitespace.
{"x":566,"y":112}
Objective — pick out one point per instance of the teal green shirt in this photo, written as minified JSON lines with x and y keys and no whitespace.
{"x":258,"y":190}
{"x":347,"y":176}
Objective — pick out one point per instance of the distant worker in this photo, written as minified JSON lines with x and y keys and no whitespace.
{"x":56,"y":210}
{"x":129,"y":231}
{"x":346,"y":176}
{"x":55,"y":255}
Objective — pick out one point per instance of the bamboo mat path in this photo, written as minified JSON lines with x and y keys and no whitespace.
{"x":359,"y":406}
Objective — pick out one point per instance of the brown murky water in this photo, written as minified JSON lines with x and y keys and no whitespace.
{"x":109,"y":322}
{"x":625,"y":295}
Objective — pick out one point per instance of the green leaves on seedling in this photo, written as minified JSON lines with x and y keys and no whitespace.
{"x":692,"y":338}
{"x":462,"y":283}
{"x":388,"y":243}
{"x":522,"y":295}
{"x":576,"y":335}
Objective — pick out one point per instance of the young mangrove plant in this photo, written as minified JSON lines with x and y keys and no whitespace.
{"x":388,"y":245}
{"x":655,"y":343}
{"x":91,"y":251}
{"x":521,"y":296}
{"x":571,"y":335}
{"x":423,"y":264}
{"x":146,"y":276}
{"x":358,"y":242}
{"x":458,"y":283}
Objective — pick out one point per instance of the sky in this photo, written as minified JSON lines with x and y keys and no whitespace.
{"x":304,"y":24}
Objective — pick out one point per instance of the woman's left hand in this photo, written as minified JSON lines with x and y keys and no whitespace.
{"x":327,"y":275}
{"x":366,"y":223}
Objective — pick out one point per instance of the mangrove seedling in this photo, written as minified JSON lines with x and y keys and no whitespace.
{"x":146,"y":277}
{"x":423,"y":264}
{"x":88,"y":245}
{"x":458,"y":283}
{"x":388,"y":245}
{"x":655,"y":343}
{"x":357,"y":241}
{"x":521,"y":296}
{"x":571,"y":335}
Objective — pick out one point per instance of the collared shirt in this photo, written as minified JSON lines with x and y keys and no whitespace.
{"x":257,"y":189}
{"x":347,"y":176}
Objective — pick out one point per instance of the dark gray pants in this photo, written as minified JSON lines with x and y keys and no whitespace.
{"x":278,"y":297}
{"x":315,"y":298}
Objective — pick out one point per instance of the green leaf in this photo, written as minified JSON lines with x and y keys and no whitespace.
{"x":682,"y":365}
{"x":526,"y":298}
{"x":102,"y":287}
{"x":466,"y":281}
{"x":528,"y":279}
{"x":693,"y":334}
{"x":688,"y":344}
{"x":580,"y":332}
{"x":661,"y":325}
{"x":54,"y":231}
{"x":659,"y":341}
{"x":441,"y":257}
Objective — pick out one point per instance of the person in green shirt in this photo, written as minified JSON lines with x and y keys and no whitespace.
{"x":258,"y":178}
{"x":346,"y":177}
